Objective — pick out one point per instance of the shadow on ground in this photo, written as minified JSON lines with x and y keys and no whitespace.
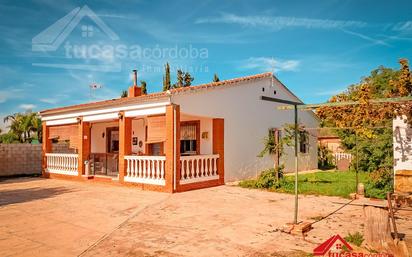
{"x":19,"y":179}
{"x":30,"y":194}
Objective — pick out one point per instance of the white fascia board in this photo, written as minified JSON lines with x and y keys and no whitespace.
{"x":106,"y":116}
{"x":103,"y":111}
{"x":61,"y":122}
{"x":151,"y":111}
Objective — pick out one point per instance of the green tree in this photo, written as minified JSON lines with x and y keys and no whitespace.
{"x":144,"y":87}
{"x":180,"y":79}
{"x":15,"y":125}
{"x":216,"y":78}
{"x":124,"y":94}
{"x":274,"y":144}
{"x":187,"y":79}
{"x":37,"y":127}
{"x":366,"y":129}
{"x":23,"y":125}
{"x":166,"y":78}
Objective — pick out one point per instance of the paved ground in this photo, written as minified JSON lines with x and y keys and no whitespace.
{"x":40,"y":217}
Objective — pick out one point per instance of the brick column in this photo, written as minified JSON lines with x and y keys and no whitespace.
{"x":125,"y":143}
{"x":46,"y":147}
{"x":84,"y":146}
{"x":219,"y":147}
{"x":172,"y":147}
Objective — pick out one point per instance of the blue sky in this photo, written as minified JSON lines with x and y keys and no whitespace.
{"x":316,"y":48}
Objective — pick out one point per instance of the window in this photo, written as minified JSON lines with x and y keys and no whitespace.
{"x":303,"y":142}
{"x":112,"y":139}
{"x":188,"y":147}
{"x":156,"y":149}
{"x":189,"y":137}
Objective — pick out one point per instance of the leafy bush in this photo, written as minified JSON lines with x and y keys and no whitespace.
{"x":325,"y":157}
{"x":355,"y":238}
{"x":267,"y":179}
{"x":8,"y":138}
{"x":379,"y":183}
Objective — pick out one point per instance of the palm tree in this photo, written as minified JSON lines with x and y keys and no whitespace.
{"x":23,"y":125}
{"x":15,"y":126}
{"x":38,"y":127}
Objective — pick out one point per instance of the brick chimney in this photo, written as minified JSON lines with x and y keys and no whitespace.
{"x":134,"y":90}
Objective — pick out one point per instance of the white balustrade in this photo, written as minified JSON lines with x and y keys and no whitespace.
{"x":197,"y":168}
{"x":145,"y":169}
{"x":341,"y":156}
{"x":60,"y":163}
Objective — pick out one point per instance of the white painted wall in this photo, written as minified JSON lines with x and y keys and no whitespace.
{"x":247,"y":120}
{"x":139,"y":131}
{"x":206,"y":125}
{"x":98,"y":143}
{"x":402,"y":145}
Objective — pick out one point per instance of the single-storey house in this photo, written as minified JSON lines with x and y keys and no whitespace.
{"x":185,"y":138}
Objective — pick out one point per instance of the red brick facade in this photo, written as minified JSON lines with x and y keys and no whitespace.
{"x":219,"y":147}
{"x":125,"y":147}
{"x":84,"y":145}
{"x":46,"y":147}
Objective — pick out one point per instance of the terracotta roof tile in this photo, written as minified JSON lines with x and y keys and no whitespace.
{"x":153,"y":96}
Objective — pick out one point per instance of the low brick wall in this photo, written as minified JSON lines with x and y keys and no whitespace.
{"x":20,"y":159}
{"x":25,"y":159}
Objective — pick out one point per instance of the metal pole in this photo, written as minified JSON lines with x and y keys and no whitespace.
{"x":295,"y":220}
{"x":357,"y":161}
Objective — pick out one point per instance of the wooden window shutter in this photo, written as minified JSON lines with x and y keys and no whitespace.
{"x":65,"y":133}
{"x":156,"y":129}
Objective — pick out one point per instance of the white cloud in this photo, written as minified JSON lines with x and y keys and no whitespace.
{"x":11,"y":93}
{"x":48,"y":100}
{"x":27,"y":106}
{"x":367,"y":38}
{"x":403,"y":26}
{"x":270,"y":64}
{"x":280,"y":22}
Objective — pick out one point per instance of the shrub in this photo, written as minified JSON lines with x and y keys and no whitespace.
{"x":8,"y":138}
{"x":325,"y":157}
{"x":379,"y":183}
{"x":355,"y":238}
{"x":267,"y":179}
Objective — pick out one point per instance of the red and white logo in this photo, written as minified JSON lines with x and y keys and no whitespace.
{"x":335,"y":244}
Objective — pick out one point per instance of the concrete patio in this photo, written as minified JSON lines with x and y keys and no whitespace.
{"x":49,"y":217}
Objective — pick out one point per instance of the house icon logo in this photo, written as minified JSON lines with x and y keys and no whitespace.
{"x":52,"y":37}
{"x":335,"y":244}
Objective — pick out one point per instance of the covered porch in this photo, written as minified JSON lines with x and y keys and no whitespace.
{"x":152,"y":146}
